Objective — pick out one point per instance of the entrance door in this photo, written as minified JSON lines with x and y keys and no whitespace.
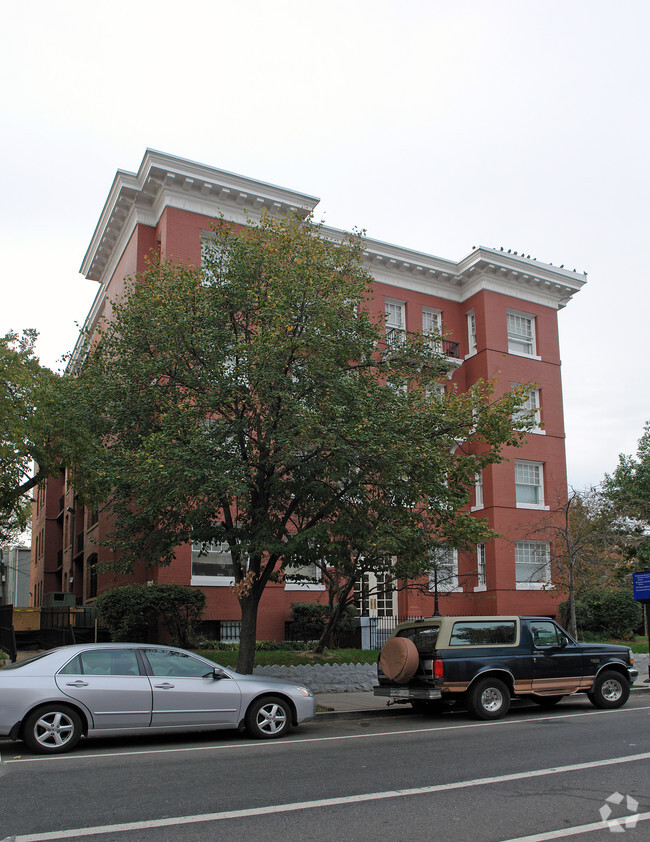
{"x":375,"y":595}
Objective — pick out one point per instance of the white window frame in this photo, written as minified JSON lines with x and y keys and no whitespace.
{"x":316,"y":585}
{"x":211,"y":581}
{"x":432,"y":326}
{"x":519,"y":339}
{"x":395,"y":327}
{"x":524,"y":472}
{"x":478,"y":493}
{"x":532,"y":408}
{"x":471,"y":334}
{"x":541,"y":566}
{"x":450,"y":560}
{"x":481,"y":580}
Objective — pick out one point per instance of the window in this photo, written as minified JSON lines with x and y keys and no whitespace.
{"x":424,"y":637}
{"x":395,"y":321}
{"x":212,"y":564}
{"x":546,"y":633}
{"x":103,"y":662}
{"x":480,"y":568}
{"x":529,"y":485}
{"x":521,"y":334}
{"x":483,"y":633}
{"x":471,"y":333}
{"x":443,"y":575}
{"x":529,"y":410}
{"x":532,"y":565}
{"x":478,"y":491}
{"x":168,"y":662}
{"x":432,"y":326}
{"x":304,"y":577}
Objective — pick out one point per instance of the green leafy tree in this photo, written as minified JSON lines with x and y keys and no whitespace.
{"x":584,"y":547}
{"x":33,"y":437}
{"x":628,"y":491}
{"x":254,"y":401}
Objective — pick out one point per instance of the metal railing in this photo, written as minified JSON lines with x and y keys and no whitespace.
{"x":229,"y":631}
{"x":381,"y":628}
{"x":395,"y":336}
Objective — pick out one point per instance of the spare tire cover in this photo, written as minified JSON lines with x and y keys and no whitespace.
{"x":399,"y":659}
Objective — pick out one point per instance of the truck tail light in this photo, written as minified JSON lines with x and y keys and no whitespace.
{"x":437,"y":668}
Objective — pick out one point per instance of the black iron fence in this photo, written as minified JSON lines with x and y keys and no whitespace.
{"x":65,"y":625}
{"x":379,"y":629}
{"x":370,"y":633}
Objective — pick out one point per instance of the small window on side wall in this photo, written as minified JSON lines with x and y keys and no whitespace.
{"x":521,"y":334}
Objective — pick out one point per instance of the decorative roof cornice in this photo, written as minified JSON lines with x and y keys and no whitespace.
{"x":168,"y":181}
{"x":482,"y":269}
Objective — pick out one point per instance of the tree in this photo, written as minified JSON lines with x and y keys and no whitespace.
{"x":628,"y":491}
{"x":583,"y":546}
{"x":254,"y":401}
{"x":32,"y":421}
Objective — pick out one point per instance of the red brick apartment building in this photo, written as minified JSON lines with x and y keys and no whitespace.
{"x":499,"y":312}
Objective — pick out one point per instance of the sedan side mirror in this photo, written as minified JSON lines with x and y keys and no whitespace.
{"x":218,"y":673}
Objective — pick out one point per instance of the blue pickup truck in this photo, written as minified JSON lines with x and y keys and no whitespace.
{"x":484,"y":662}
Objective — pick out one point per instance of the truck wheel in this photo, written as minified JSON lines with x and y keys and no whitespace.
{"x":610,"y":690}
{"x":488,"y":698}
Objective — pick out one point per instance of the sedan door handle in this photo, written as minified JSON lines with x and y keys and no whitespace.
{"x":77,"y":683}
{"x":165,"y":686}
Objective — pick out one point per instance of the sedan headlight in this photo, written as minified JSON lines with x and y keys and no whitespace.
{"x":305,"y":691}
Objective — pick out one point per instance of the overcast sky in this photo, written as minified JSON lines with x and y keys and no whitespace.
{"x":434,"y":125}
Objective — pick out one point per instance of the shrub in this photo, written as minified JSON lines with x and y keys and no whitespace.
{"x":310,"y":618}
{"x":607,"y":613}
{"x":131,"y":612}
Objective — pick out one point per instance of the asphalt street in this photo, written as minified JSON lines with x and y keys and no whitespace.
{"x":394,"y":776}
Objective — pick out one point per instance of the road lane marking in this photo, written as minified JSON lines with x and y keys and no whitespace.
{"x":271,"y":744}
{"x":75,"y":833}
{"x":571,"y":831}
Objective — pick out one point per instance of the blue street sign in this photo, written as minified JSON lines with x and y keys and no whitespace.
{"x":641,"y":582}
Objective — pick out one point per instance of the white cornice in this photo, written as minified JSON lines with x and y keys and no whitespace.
{"x":168,"y":181}
{"x":482,"y":269}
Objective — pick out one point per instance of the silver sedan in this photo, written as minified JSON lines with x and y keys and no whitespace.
{"x":54,"y":699}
